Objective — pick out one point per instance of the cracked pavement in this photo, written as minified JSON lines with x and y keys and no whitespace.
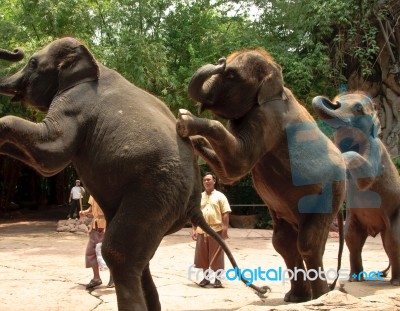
{"x":43,"y":270}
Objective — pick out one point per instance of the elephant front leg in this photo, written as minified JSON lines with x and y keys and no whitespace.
{"x":204,"y":149}
{"x":284,"y":240}
{"x":189,"y":125}
{"x":39,"y":145}
{"x":231,"y":154}
{"x":362,"y":171}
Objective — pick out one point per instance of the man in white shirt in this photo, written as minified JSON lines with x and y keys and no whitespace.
{"x":75,"y":199}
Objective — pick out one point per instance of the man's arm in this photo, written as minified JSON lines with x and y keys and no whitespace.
{"x":194,"y":233}
{"x":225,"y":225}
{"x":88,"y":211}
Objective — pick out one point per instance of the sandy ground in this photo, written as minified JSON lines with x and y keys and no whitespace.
{"x":43,"y":270}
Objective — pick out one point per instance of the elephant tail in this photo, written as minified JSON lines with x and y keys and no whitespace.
{"x":384,"y":273}
{"x":198,"y":220}
{"x":341,"y":245}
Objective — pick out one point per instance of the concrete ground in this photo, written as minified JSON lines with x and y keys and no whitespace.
{"x":43,"y":270}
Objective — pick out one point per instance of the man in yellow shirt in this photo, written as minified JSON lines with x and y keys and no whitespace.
{"x":96,"y":235}
{"x":215,"y":209}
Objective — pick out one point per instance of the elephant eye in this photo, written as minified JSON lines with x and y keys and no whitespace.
{"x":33,"y":63}
{"x":231,"y":75}
{"x":357,"y":108}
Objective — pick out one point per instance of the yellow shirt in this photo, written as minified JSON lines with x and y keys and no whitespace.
{"x":213,"y":206}
{"x":99,"y":220}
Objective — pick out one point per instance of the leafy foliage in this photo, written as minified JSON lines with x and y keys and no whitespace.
{"x":158,"y":44}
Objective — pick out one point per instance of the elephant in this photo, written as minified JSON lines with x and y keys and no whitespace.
{"x":297,"y":171}
{"x":123,"y":143}
{"x":373,"y":193}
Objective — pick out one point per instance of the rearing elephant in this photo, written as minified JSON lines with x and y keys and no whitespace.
{"x":124,"y":146}
{"x":373,"y":195}
{"x":296,"y":169}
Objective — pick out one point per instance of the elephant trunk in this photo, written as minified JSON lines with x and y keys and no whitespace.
{"x":325,"y":108}
{"x":331,"y":113}
{"x":201,"y":83}
{"x":7,"y":87}
{"x":14,"y":56}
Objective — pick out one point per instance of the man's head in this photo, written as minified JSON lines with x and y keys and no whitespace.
{"x":77,"y":182}
{"x":209,"y":181}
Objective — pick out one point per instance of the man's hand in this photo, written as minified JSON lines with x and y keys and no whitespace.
{"x":224,"y":234}
{"x":194,"y":234}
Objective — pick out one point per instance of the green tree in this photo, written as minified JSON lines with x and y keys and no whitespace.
{"x":321,"y":45}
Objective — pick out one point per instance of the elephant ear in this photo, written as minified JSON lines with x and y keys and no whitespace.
{"x":272,"y":84}
{"x":376,"y":129}
{"x":77,"y":67}
{"x":370,"y":109}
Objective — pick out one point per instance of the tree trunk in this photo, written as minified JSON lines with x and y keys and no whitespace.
{"x":386,"y":89}
{"x":10,"y":172}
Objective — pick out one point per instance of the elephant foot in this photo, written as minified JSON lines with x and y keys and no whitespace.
{"x":395,"y":282}
{"x":356,"y":277}
{"x":292,"y":297}
{"x":185,"y":119}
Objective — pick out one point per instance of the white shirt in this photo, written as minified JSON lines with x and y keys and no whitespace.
{"x":77,"y":192}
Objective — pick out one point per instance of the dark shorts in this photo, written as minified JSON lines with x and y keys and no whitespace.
{"x":90,"y":256}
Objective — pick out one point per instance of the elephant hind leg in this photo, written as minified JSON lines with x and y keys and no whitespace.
{"x":391,"y":244}
{"x":128,"y":260}
{"x":131,"y":240}
{"x":284,"y":240}
{"x":150,"y":291}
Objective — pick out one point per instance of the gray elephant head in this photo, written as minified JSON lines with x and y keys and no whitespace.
{"x":52,"y":70}
{"x":352,"y":115}
{"x":232,"y":87}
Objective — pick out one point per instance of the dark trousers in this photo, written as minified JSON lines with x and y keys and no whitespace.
{"x":74,"y":209}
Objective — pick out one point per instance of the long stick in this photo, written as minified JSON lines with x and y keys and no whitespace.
{"x":215,"y":255}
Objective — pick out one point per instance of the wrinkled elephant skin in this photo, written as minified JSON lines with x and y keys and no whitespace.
{"x":123,"y":144}
{"x":373,"y":195}
{"x":296,"y":169}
